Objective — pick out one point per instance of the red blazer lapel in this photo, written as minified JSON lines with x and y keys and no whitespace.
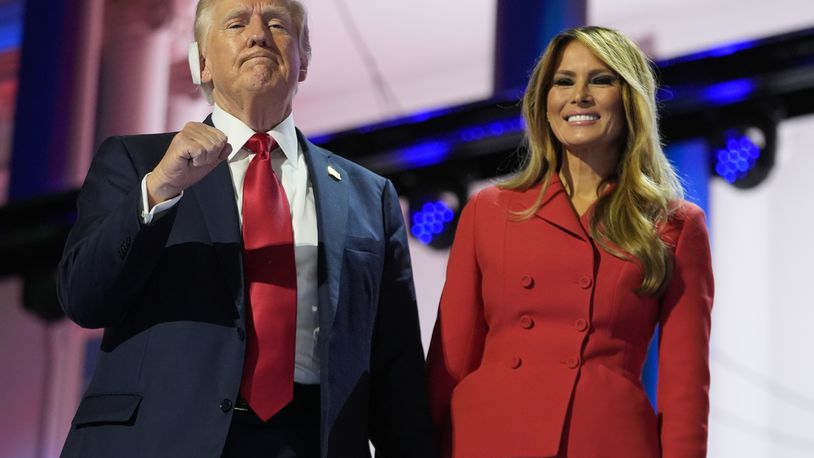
{"x":556,"y":209}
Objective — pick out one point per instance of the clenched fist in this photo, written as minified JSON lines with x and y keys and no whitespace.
{"x":193,"y":153}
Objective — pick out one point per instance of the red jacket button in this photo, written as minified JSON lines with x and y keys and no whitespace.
{"x":526,"y":322}
{"x":585,"y":282}
{"x":581,"y":325}
{"x":527,"y":281}
{"x":516,"y":362}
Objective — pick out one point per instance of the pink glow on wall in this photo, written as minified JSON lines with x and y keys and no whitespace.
{"x":9,"y":63}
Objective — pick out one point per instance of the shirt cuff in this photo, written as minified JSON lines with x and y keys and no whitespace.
{"x":147,"y":216}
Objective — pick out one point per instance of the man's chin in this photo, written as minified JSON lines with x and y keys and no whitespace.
{"x":269,"y":90}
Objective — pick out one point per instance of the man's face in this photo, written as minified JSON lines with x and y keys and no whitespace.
{"x":252,"y":52}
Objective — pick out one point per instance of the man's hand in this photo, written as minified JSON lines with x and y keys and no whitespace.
{"x":193,"y":153}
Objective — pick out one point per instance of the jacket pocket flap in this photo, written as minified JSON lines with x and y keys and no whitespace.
{"x":107,"y":408}
{"x":363,"y":244}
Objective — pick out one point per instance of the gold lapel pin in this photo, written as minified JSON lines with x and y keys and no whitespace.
{"x":334,"y":173}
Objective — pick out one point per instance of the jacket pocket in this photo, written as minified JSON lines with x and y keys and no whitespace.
{"x":107,"y":409}
{"x":364,"y":244}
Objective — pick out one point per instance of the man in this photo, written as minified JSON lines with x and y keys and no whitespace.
{"x":255,"y":290}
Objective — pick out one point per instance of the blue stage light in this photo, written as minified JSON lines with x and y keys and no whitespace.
{"x":721,"y":51}
{"x":11,"y":24}
{"x":431,"y":220}
{"x":423,"y":154}
{"x":729,"y":92}
{"x":740,"y":155}
{"x":434,"y":150}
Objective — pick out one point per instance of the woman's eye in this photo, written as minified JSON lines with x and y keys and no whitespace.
{"x":563,"y":82}
{"x":604,"y":80}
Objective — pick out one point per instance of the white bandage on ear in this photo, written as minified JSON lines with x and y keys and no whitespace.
{"x":195,"y":63}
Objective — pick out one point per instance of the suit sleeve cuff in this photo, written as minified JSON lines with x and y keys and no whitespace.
{"x":148,"y":215}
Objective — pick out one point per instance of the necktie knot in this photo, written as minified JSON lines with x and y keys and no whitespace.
{"x":261,"y":144}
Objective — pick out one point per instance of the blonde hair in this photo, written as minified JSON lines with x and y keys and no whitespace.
{"x":629,"y":217}
{"x":203,"y":21}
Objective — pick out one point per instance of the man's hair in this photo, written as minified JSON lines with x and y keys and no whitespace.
{"x":203,"y":23}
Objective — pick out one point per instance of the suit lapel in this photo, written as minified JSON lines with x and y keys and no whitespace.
{"x":331,"y":197}
{"x":216,"y":200}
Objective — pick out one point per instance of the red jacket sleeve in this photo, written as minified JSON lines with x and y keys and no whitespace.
{"x":683,"y":379}
{"x":460,"y":329}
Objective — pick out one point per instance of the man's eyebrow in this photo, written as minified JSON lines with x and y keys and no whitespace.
{"x":236,"y":12}
{"x":274,"y":11}
{"x":277,"y":12}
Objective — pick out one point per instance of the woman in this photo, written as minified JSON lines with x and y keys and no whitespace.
{"x":559,"y":276}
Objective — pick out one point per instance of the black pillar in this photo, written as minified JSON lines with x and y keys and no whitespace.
{"x":524,"y":28}
{"x":46,"y":81}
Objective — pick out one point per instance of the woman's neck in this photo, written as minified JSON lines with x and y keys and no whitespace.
{"x":582,"y":174}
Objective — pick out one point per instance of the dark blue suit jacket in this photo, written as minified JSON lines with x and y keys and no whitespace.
{"x":172,"y":300}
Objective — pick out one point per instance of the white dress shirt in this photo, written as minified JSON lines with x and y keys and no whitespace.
{"x":289,"y":164}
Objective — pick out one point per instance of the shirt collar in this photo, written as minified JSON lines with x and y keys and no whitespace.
{"x":237,"y":133}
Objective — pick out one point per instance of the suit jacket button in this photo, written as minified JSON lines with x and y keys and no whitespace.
{"x":226,"y":405}
{"x":516,"y":362}
{"x":241,"y":334}
{"x":581,"y":325}
{"x":585,"y":282}
{"x":572,"y":363}
{"x":526,"y":322}
{"x":527,"y":281}
{"x":124,"y":247}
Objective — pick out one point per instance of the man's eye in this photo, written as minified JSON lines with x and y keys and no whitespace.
{"x":234,"y":25}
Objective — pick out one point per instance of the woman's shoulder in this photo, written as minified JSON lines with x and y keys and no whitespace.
{"x":682,"y":211}
{"x":488,"y":193}
{"x":685,"y":215}
{"x":494,"y":196}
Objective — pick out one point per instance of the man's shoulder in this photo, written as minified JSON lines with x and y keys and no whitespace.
{"x":143,"y":141}
{"x":146,"y":148}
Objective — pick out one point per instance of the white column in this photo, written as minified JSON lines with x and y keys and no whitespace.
{"x":22,"y":378}
{"x":186,"y":100}
{"x":90,"y":28}
{"x":762,"y":379}
{"x":741,"y":338}
{"x":136,"y":60}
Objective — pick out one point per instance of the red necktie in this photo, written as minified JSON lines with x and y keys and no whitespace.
{"x":271,"y":275}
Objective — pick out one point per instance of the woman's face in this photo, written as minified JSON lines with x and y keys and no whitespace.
{"x":584,"y":105}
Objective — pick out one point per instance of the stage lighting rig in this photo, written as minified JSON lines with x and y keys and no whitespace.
{"x":434,"y":211}
{"x":744,"y":153}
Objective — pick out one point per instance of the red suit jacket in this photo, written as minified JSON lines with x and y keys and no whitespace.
{"x":540,"y":339}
